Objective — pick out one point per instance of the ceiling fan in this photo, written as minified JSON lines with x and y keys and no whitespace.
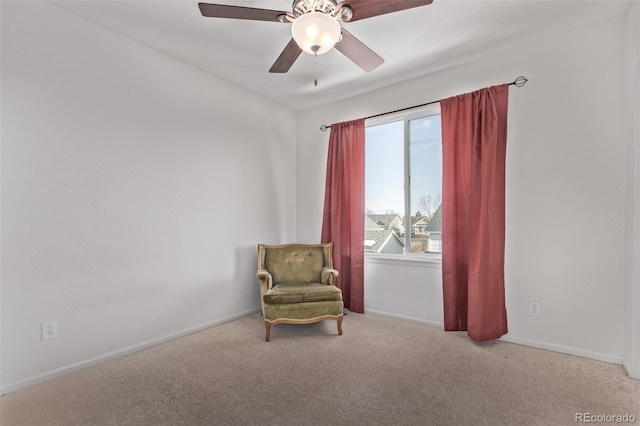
{"x":316,"y":26}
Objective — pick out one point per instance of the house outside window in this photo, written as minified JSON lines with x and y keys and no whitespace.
{"x":403,"y":183}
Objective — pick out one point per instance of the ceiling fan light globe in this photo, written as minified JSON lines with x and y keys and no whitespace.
{"x":329,"y":42}
{"x":316,"y":29}
{"x":312,"y":31}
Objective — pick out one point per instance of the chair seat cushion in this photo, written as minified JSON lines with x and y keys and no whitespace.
{"x":302,"y":292}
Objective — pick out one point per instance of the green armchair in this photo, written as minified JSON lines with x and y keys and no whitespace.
{"x":297,"y":285}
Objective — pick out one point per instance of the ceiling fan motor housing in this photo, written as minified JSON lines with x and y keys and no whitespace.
{"x":301,"y":7}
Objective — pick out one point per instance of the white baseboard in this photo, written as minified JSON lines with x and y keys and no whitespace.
{"x":403,"y":318}
{"x":598,"y":356}
{"x":629,"y":370}
{"x":30,"y":381}
{"x":612,"y":359}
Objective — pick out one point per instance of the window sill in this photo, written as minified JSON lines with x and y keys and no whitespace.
{"x":432,"y":261}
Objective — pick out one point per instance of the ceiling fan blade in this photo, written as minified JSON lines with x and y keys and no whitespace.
{"x":286,"y":58}
{"x":358,"y":52}
{"x":367,"y":8}
{"x":239,"y":12}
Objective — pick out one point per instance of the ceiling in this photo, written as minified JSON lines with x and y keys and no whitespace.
{"x":413,"y":42}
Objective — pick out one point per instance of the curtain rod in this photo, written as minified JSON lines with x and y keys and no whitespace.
{"x":518,"y":82}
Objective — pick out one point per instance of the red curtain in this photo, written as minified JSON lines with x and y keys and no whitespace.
{"x":343,"y":217}
{"x":474,"y":141}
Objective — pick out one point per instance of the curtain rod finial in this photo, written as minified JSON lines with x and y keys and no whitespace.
{"x":520,"y":81}
{"x":324,"y":127}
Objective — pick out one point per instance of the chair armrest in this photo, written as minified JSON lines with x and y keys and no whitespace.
{"x":264,"y":279}
{"x":328,"y":276}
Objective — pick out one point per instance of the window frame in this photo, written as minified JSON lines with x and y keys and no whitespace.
{"x":405,"y":116}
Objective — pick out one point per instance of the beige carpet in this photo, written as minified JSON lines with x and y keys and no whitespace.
{"x":381,"y":371}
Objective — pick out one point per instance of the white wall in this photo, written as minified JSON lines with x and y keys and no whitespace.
{"x":632,"y":248}
{"x":134,"y":192}
{"x":416,"y":296}
{"x":565,"y":189}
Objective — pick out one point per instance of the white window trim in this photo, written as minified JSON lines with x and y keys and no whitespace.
{"x":423,"y":259}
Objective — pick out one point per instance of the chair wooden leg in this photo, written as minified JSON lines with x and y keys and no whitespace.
{"x":267,"y":329}
{"x":340,"y":325}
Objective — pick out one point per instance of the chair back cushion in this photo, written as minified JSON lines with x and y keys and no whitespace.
{"x":294,"y":263}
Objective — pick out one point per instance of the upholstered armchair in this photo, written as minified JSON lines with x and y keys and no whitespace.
{"x":297,"y":285}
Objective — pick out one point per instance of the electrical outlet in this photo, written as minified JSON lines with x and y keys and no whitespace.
{"x":49,"y":330}
{"x":534,"y":308}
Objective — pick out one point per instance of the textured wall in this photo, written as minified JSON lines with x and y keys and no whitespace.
{"x":134,"y":192}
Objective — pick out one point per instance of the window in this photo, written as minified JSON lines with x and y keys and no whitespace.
{"x":403,"y":183}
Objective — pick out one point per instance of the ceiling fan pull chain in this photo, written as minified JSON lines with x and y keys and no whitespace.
{"x":315,"y":60}
{"x":315,"y":64}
